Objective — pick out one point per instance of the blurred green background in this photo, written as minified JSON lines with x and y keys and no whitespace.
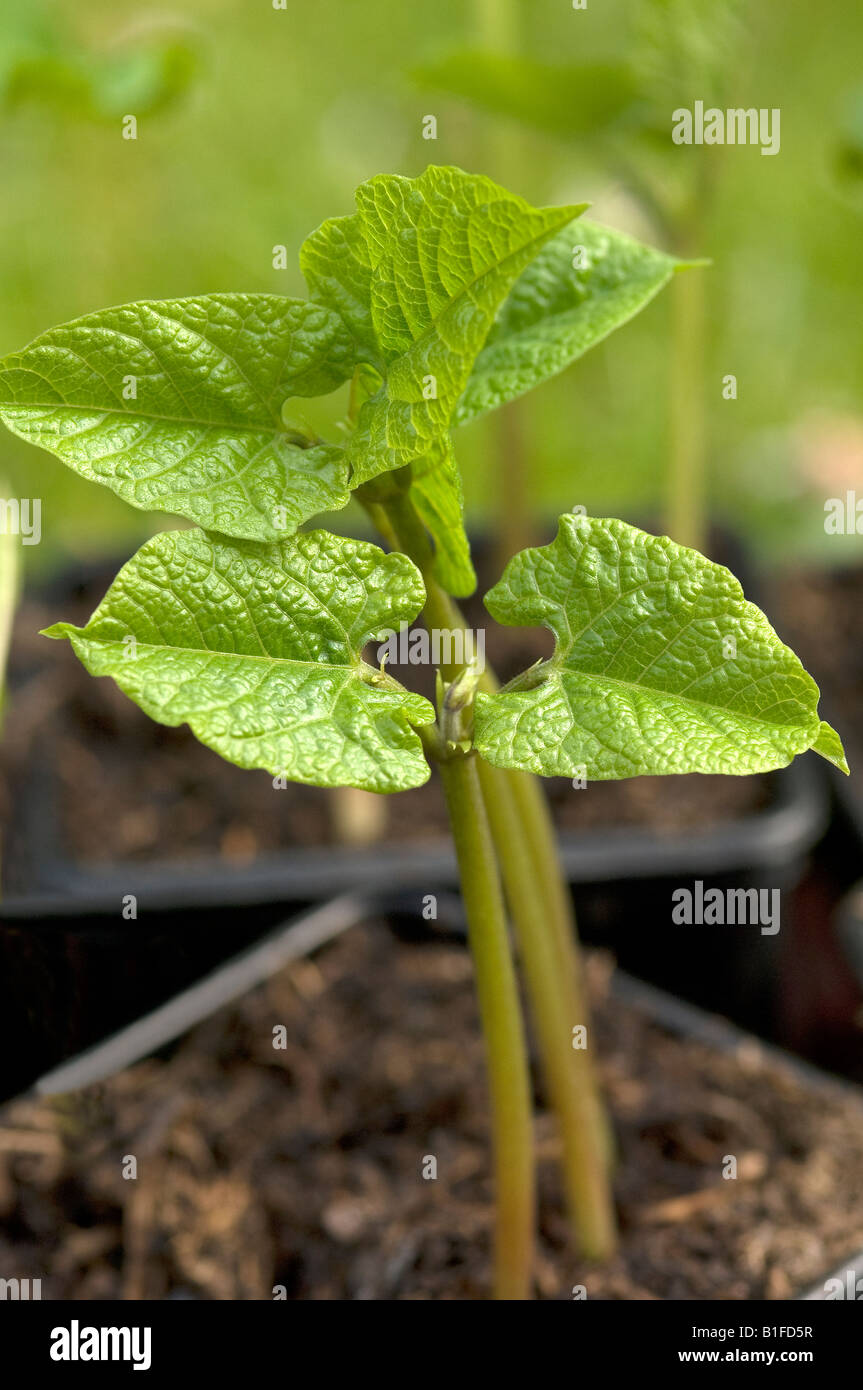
{"x":255,"y":123}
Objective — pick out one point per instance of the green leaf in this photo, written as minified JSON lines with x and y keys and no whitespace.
{"x":259,"y":650}
{"x":556,"y":311}
{"x":437,"y":493}
{"x":336,"y":263}
{"x":660,"y":665}
{"x":829,"y":745}
{"x":146,"y":72}
{"x":177,"y":406}
{"x":566,"y":100}
{"x":443,"y":251}
{"x":148,"y":77}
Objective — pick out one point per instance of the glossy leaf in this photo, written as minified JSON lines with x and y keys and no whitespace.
{"x":258,"y":649}
{"x":829,"y":745}
{"x":177,"y":406}
{"x":443,"y":251}
{"x":585,"y":283}
{"x":336,"y":263}
{"x":660,"y":665}
{"x":437,"y":493}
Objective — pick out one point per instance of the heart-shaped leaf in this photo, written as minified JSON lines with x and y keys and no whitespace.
{"x":661,"y":665}
{"x":258,"y":648}
{"x":177,"y":406}
{"x":585,"y":283}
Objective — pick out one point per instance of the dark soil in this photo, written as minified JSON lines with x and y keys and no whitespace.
{"x":89,"y":775}
{"x":302,"y":1166}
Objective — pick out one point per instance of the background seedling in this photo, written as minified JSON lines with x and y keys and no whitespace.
{"x":620,"y":109}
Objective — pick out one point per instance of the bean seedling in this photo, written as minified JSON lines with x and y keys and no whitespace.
{"x":440,"y":298}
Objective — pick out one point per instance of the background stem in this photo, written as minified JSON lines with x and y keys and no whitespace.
{"x":686,"y":500}
{"x":500,"y":1012}
{"x":9,"y":586}
{"x":503,"y":152}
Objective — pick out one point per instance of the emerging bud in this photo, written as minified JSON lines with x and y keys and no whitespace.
{"x":455,"y":705}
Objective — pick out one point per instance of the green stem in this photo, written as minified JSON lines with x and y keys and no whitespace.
{"x":500,"y":1012}
{"x":537,"y":827}
{"x":687,"y":485}
{"x":9,"y":586}
{"x":404,"y":526}
{"x":497,"y":24}
{"x":503,"y":151}
{"x":568,"y":1070}
{"x":551,"y":910}
{"x":401,"y":525}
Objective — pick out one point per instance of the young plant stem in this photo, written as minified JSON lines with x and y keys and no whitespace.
{"x":400,"y":525}
{"x":549,"y":916}
{"x":568,"y":1070}
{"x":503,"y":1029}
{"x":398,"y":521}
{"x":538,"y":829}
